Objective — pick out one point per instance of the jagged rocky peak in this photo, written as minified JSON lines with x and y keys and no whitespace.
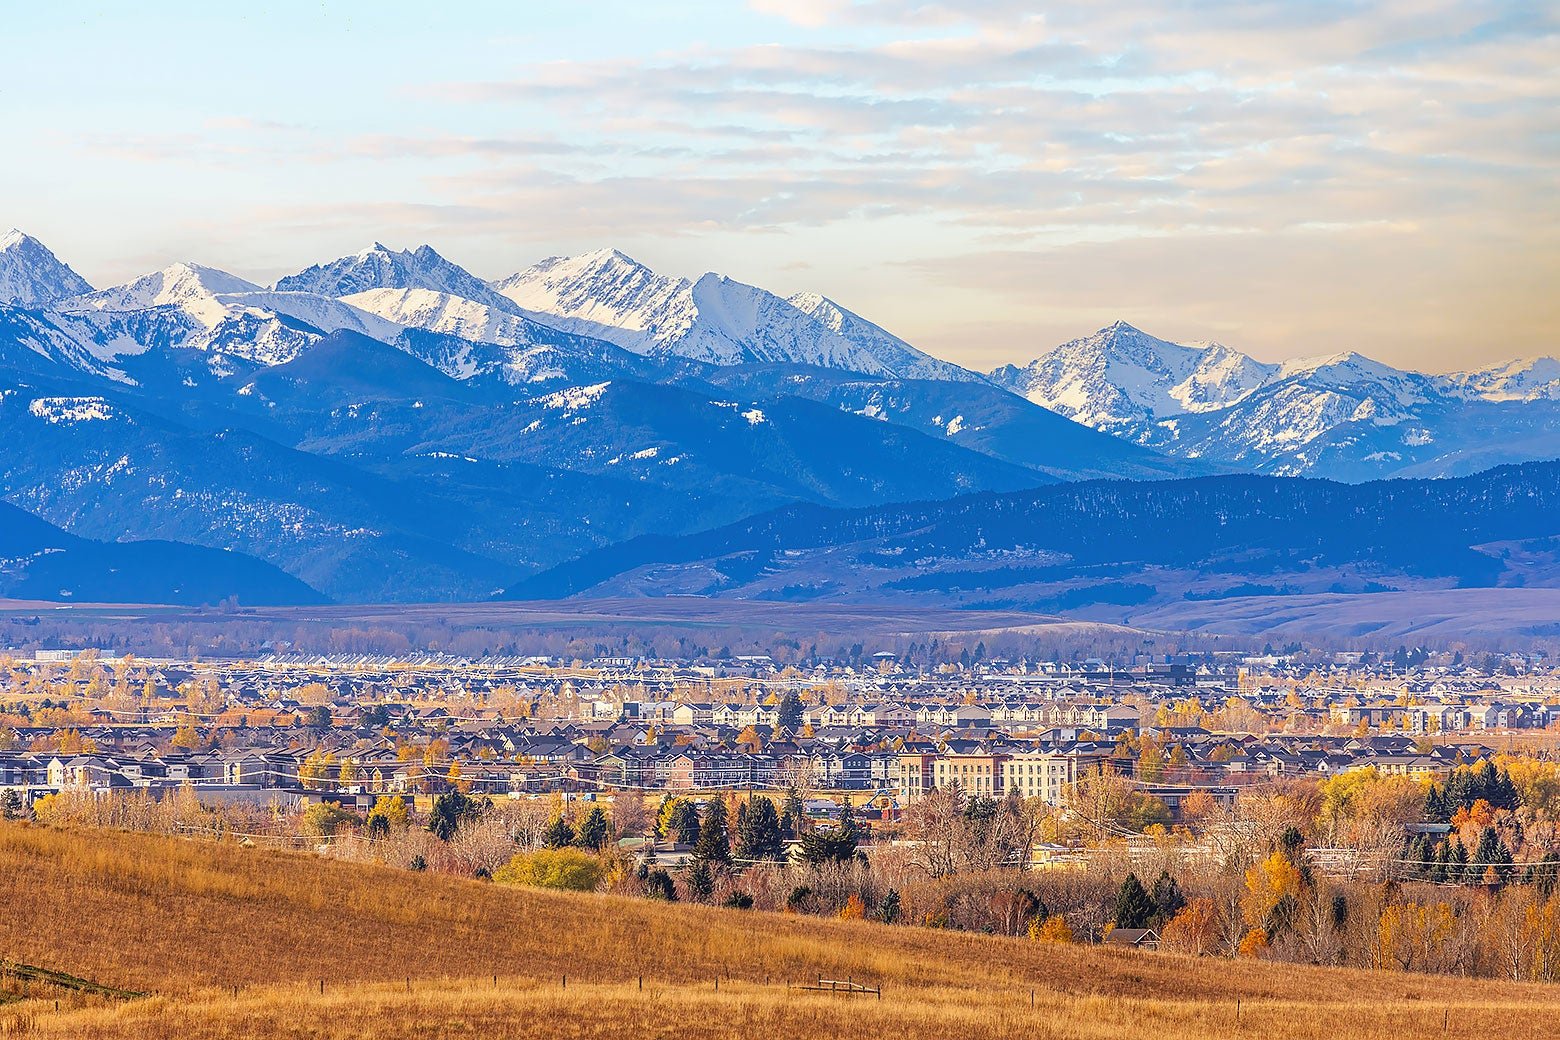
{"x":380,"y":267}
{"x":32,"y":276}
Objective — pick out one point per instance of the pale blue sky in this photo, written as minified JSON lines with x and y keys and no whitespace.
{"x":984,"y":179}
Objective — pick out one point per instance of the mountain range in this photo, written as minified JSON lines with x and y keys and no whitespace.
{"x":1340,"y":415}
{"x":1109,"y":548}
{"x":389,"y":426}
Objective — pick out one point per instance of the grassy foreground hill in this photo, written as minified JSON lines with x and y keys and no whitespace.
{"x":241,"y":942}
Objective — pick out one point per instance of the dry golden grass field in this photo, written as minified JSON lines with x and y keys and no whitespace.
{"x":237,"y":942}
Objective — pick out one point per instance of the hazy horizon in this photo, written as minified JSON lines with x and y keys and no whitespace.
{"x":985,"y":184}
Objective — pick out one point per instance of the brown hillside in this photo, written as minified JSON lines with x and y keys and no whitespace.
{"x":190,"y":921}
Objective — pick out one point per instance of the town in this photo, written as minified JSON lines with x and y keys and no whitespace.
{"x":292,"y":729}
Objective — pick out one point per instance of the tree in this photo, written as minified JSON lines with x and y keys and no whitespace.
{"x":1168,"y":900}
{"x":792,"y":814}
{"x":593,"y":830}
{"x":1134,"y":907}
{"x":827,"y":845}
{"x":11,"y":807}
{"x":317,"y":717}
{"x":714,"y":844}
{"x":700,"y":880}
{"x":1054,"y":930}
{"x":389,"y":813}
{"x":323,"y":818}
{"x":568,"y":869}
{"x":1195,"y":929}
{"x":658,"y":885}
{"x":891,"y":907}
{"x":559,"y":833}
{"x":791,"y":712}
{"x":1492,"y":859}
{"x":449,"y":812}
{"x":681,"y":822}
{"x":758,"y":830}
{"x":1272,"y":887}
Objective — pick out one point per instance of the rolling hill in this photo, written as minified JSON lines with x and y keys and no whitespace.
{"x":1113,"y":545}
{"x":39,"y":561}
{"x":232,"y":941}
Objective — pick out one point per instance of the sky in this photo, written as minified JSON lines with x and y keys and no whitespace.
{"x":984,"y":179}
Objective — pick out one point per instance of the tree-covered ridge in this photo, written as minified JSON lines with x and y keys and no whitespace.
{"x":1245,"y":524}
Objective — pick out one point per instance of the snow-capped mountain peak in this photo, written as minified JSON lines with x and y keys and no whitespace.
{"x":187,"y":285}
{"x":1521,"y":379}
{"x":380,"y":267}
{"x":31,"y":275}
{"x":715,"y":319}
{"x":1121,"y":378}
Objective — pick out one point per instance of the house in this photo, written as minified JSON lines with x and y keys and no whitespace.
{"x":1139,"y":938}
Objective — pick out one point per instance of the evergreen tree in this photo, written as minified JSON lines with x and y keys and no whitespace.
{"x":558,"y":835}
{"x":450,"y":811}
{"x":1167,"y":897}
{"x":683,"y":827}
{"x":658,"y":885}
{"x":791,"y":712}
{"x":593,"y":830}
{"x":11,"y":807}
{"x":792,"y":814}
{"x":758,"y":831}
{"x":714,"y":844}
{"x":1134,"y":907}
{"x":700,"y":880}
{"x":1542,"y":875}
{"x":1491,"y":860}
{"x":891,"y":907}
{"x":848,"y":820}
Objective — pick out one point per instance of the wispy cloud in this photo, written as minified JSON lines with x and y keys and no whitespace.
{"x":990,"y":151}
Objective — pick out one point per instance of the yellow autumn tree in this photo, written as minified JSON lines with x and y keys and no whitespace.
{"x":391,"y":810}
{"x":1053,"y":929}
{"x":1267,"y":885}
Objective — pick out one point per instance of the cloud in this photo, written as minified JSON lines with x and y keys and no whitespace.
{"x":1223,"y":161}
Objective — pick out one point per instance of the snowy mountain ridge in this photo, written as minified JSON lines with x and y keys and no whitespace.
{"x":577,"y":320}
{"x":714,"y":319}
{"x":1341,"y":414}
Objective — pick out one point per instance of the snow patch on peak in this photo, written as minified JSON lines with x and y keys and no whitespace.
{"x":574,"y":398}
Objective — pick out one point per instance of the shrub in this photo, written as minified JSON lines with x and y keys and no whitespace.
{"x":570,"y":869}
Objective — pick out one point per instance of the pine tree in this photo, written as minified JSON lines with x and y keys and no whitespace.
{"x":700,"y":880}
{"x":791,"y":712}
{"x":593,"y":830}
{"x":1167,"y":897}
{"x":758,"y":831}
{"x":558,"y":835}
{"x":1134,"y":907}
{"x":791,"y":816}
{"x":714,"y":844}
{"x":1492,"y":859}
